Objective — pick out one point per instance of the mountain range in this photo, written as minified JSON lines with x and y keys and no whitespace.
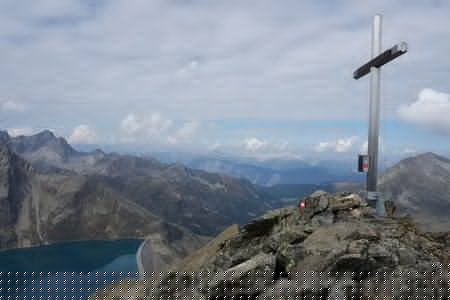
{"x":268,"y":172}
{"x":50,"y":192}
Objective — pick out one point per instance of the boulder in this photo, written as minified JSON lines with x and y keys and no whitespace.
{"x":346,"y":202}
{"x":316,"y":203}
{"x":361,"y":212}
{"x":247,"y":278}
{"x":264,"y":225}
{"x":327,"y":218}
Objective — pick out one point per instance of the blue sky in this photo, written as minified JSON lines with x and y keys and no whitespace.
{"x":258,"y":78}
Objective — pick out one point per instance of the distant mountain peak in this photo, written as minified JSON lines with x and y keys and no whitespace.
{"x":426,"y":159}
{"x":430,"y":155}
{"x":420,"y":185}
{"x":45,"y":134}
{"x":43,"y":145}
{"x":98,"y":152}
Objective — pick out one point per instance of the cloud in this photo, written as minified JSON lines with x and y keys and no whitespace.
{"x":344,"y":145}
{"x":20,"y":131}
{"x":431,"y":110}
{"x":153,"y":127}
{"x":324,"y":146}
{"x":83,"y":134}
{"x":209,"y":60}
{"x":264,"y":149}
{"x":55,"y":47}
{"x":11,"y":105}
{"x":158,"y":130}
{"x":253,"y":144}
{"x":341,"y":145}
{"x":130,"y":125}
{"x":185,"y":133}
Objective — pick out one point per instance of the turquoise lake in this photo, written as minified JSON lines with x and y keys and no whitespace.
{"x":65,"y":271}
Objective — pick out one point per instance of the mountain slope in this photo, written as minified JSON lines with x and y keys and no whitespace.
{"x":102,"y":196}
{"x":39,"y":209}
{"x":420,"y":186}
{"x":334,"y":250}
{"x":266,"y":172}
{"x":18,"y":224}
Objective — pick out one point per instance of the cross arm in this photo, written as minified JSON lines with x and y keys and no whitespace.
{"x":381,"y":59}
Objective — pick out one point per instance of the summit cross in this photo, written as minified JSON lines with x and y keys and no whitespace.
{"x":378,"y":59}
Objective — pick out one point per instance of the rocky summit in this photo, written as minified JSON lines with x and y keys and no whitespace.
{"x":333,"y":249}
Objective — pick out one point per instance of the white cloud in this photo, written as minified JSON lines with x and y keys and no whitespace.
{"x":171,"y":140}
{"x":11,"y":105}
{"x":154,"y":127}
{"x":253,"y":144}
{"x":341,"y":145}
{"x":223,"y":43}
{"x":323,"y":146}
{"x":345,"y":144}
{"x":264,"y":149}
{"x":430,"y":110}
{"x":130,"y":125}
{"x":83,"y":134}
{"x":66,"y":54}
{"x":185,"y":133}
{"x":156,"y":124}
{"x":20,"y":131}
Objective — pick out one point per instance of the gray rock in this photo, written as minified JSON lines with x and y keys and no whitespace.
{"x":318,"y":194}
{"x":406,"y":256}
{"x":345,"y":202}
{"x":316,"y":204}
{"x":249,"y":278}
{"x":265,"y":224}
{"x":323,"y":219}
{"x":305,"y":286}
{"x":333,"y":241}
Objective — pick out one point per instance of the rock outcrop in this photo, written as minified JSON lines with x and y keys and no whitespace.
{"x":334,"y":249}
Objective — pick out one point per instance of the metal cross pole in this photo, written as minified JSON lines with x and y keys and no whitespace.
{"x":378,"y":59}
